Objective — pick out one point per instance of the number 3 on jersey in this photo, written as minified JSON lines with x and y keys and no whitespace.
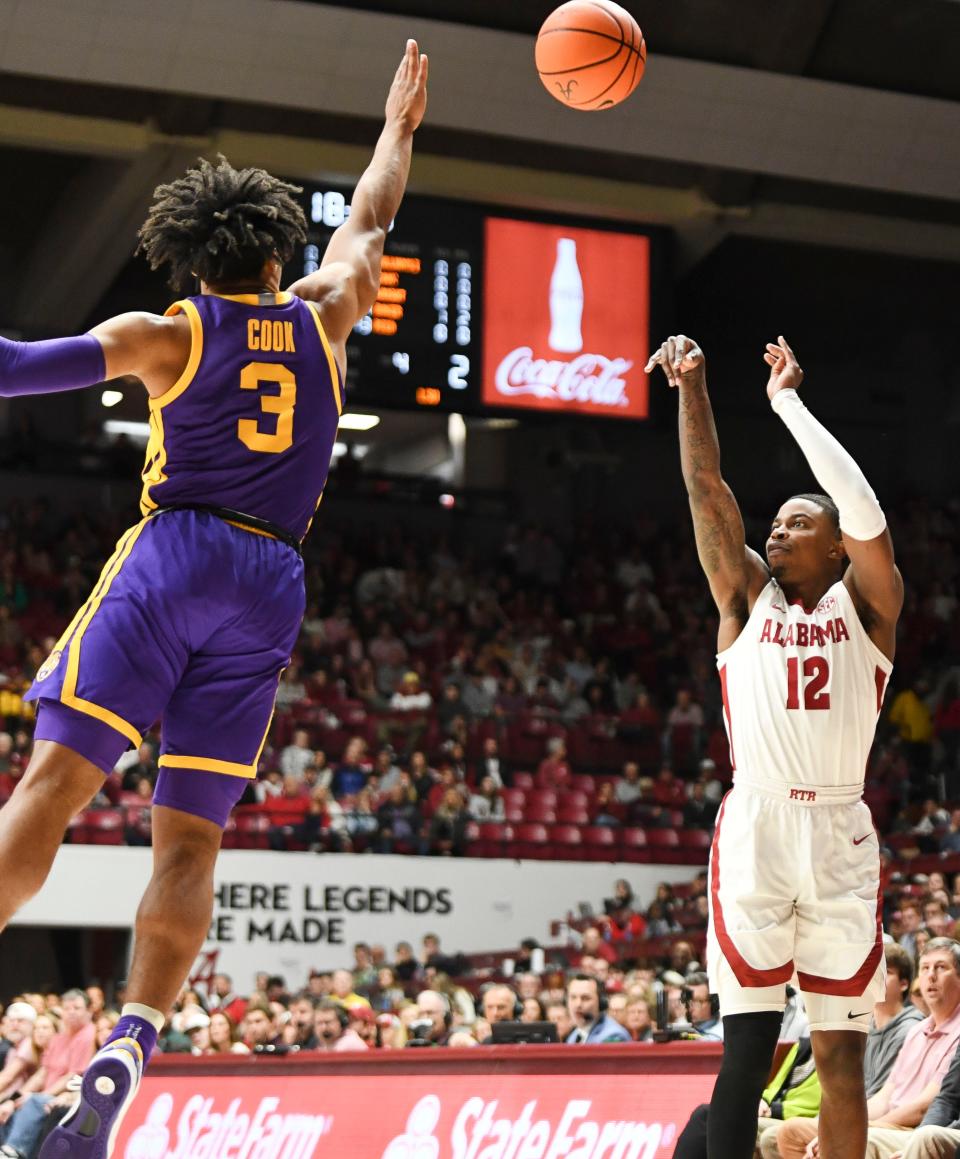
{"x":816,"y":673}
{"x":253,"y":376}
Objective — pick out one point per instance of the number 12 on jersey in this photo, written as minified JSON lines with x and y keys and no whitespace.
{"x":816,"y":674}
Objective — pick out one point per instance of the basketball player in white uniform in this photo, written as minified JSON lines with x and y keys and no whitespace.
{"x":805,"y":650}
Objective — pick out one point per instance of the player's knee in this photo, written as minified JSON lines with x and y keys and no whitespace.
{"x":839,"y":1060}
{"x":749,"y":1041}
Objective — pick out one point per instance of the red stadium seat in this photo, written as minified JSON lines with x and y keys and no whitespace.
{"x":546,"y":814}
{"x":522,"y":780}
{"x":566,"y":842}
{"x":493,"y":838}
{"x":252,"y":829}
{"x":574,"y":797}
{"x":513,"y":798}
{"x":229,"y":840}
{"x":633,"y":845}
{"x":104,"y":827}
{"x":600,"y":843}
{"x":584,"y":783}
{"x":545,"y":798}
{"x":515,"y":813}
{"x":572,"y":814}
{"x":529,"y":840}
{"x":695,"y":846}
{"x":664,"y":846}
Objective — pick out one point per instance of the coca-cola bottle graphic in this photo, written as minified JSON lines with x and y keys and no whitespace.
{"x":566,"y":300}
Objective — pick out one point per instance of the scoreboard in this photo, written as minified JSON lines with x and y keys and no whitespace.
{"x":485,"y":312}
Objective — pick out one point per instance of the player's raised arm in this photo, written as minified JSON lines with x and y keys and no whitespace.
{"x":872,"y":579}
{"x":736,"y":574}
{"x":347,"y":282}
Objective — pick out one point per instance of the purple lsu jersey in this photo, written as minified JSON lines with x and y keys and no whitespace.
{"x":250,"y":424}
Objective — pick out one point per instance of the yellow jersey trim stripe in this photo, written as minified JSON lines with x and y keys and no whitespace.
{"x":252,"y":530}
{"x":331,"y":361}
{"x":209,"y":765}
{"x":280,"y":299}
{"x":81,"y":611}
{"x":229,"y":768}
{"x":68,"y":694}
{"x":196,"y":351}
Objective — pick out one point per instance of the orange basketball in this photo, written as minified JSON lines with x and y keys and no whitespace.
{"x":590,"y":54}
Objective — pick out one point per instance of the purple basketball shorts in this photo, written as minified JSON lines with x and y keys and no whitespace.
{"x":191,"y":622}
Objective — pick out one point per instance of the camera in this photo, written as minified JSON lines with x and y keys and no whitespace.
{"x":419,"y":1032}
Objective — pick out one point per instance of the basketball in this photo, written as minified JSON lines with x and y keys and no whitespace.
{"x":590,"y":54}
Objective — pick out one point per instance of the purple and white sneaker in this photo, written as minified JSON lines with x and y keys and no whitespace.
{"x":109,"y":1086}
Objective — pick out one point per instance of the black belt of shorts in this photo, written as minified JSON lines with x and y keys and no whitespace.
{"x":254,"y":522}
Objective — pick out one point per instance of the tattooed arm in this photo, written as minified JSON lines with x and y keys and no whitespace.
{"x":735,"y":573}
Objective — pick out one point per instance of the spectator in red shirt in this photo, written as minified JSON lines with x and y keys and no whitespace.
{"x":223,"y":998}
{"x":669,"y":790}
{"x":554,"y":770}
{"x":594,"y":946}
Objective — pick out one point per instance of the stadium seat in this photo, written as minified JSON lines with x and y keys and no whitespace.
{"x":574,"y":796}
{"x":600,"y":843}
{"x":568,"y":814}
{"x":545,"y":798}
{"x":104,"y":827}
{"x":513,"y":798}
{"x":252,"y":830}
{"x":493,"y":838}
{"x":633,"y":845}
{"x":529,"y":840}
{"x":566,"y":843}
{"x":515,"y":813}
{"x":662,"y":839}
{"x":584,"y":783}
{"x":695,"y":845}
{"x":522,"y":780}
{"x":545,"y":813}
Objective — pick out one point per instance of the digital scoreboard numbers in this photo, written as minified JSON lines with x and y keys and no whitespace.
{"x":419,"y":346}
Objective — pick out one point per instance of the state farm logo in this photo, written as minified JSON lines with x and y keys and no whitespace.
{"x":477,"y":1130}
{"x":202,"y":1131}
{"x":588,"y":378}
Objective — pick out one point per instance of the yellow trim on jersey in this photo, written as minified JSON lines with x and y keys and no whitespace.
{"x":229,"y":768}
{"x":196,"y":350}
{"x":81,"y":611}
{"x":331,"y":361}
{"x":252,"y":530}
{"x":156,"y":456}
{"x":68,"y":694}
{"x":209,"y":765}
{"x":280,"y":299}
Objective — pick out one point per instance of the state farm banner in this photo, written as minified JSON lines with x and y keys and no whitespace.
{"x":567,"y":319}
{"x":480,"y":1116}
{"x":288,"y":912}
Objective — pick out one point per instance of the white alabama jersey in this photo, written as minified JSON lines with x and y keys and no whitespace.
{"x":802,"y":692}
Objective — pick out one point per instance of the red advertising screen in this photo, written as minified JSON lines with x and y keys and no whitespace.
{"x":430,"y":1116}
{"x":567,"y":319}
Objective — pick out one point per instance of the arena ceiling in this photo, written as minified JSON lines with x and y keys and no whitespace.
{"x":821,"y":121}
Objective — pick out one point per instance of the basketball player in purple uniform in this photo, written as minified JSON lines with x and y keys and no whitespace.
{"x":195,"y":615}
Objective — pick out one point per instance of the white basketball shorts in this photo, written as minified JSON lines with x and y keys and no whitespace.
{"x":795,"y":889}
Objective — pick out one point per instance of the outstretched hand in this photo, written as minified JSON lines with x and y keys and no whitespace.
{"x":407,"y":99}
{"x":785,"y":372}
{"x":678,"y":356}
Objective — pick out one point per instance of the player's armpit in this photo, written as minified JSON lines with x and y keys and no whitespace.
{"x":735,"y":573}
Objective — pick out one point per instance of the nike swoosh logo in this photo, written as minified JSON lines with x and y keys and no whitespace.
{"x":860,"y":840}
{"x":850,"y":1014}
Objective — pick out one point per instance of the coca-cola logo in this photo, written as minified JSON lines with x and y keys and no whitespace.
{"x":479,"y":1130}
{"x":204,"y":1133}
{"x":588,"y":378}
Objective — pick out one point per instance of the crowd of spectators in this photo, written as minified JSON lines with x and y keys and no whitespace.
{"x":443,"y":691}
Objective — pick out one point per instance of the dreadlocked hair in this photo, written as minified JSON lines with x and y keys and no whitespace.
{"x":221,"y":224}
